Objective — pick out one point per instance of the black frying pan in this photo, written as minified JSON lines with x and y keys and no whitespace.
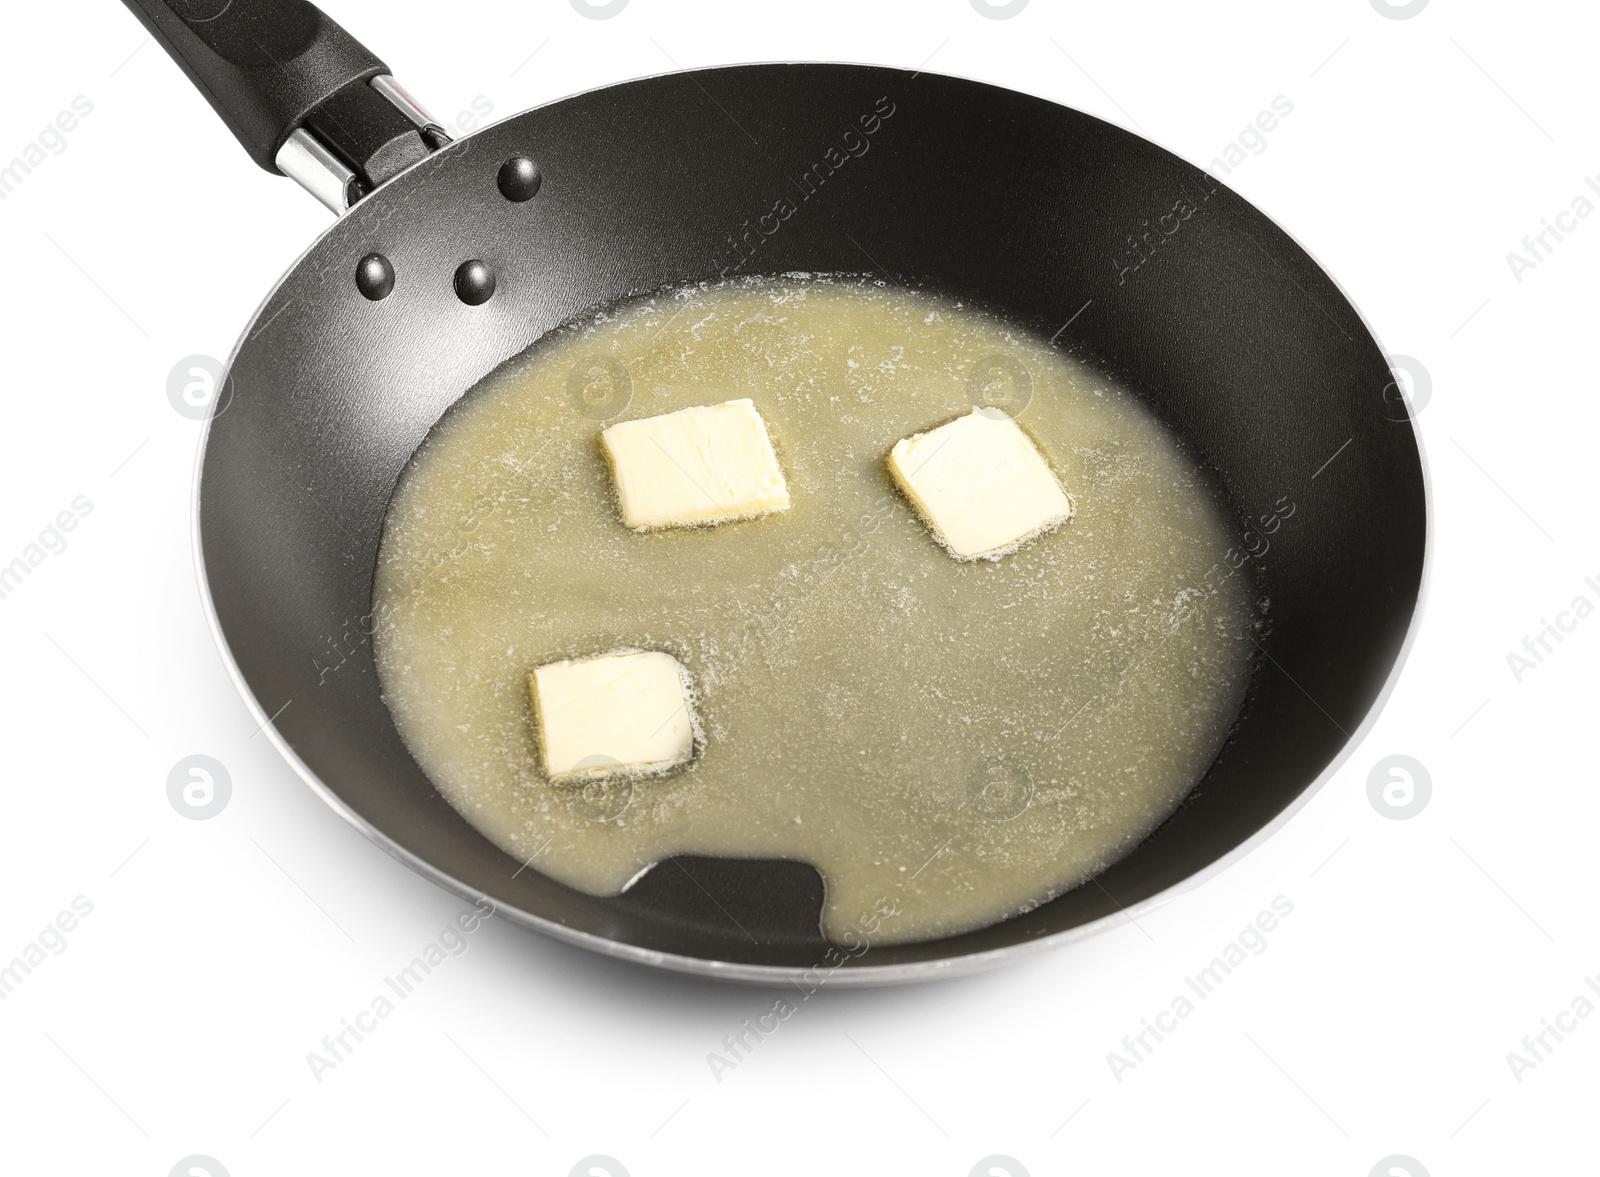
{"x":1182,"y":290}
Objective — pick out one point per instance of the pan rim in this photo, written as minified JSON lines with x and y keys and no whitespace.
{"x":856,"y":976}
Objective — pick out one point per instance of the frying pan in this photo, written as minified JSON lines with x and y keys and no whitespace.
{"x":450,"y":258}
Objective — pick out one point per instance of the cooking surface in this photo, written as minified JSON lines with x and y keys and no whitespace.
{"x":954,"y":742}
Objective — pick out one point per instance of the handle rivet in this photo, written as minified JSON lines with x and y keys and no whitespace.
{"x":519,"y":178}
{"x":375,"y":276}
{"x":474,"y":283}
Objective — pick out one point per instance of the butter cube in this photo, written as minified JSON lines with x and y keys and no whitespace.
{"x":699,"y":466}
{"x":624,"y":712}
{"x":980,"y":484}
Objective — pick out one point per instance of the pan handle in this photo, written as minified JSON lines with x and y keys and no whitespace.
{"x":304,"y":97}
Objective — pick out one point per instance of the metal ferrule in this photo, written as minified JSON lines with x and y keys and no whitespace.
{"x":432,"y":132}
{"x":308,"y":161}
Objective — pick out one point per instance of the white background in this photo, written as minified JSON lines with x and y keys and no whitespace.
{"x":178,"y":1017}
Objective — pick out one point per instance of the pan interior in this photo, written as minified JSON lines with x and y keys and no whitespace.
{"x":1232,"y":335}
{"x":949,"y":743}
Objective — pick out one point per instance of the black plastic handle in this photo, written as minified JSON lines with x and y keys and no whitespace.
{"x":266,"y":66}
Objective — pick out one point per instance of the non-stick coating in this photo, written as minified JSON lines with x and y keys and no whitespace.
{"x":1227,"y":328}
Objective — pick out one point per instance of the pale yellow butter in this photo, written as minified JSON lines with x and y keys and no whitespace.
{"x":709,"y":464}
{"x":980,"y":484}
{"x":625,"y":712}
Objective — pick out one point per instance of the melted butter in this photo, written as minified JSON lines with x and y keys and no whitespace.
{"x":949,"y":743}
